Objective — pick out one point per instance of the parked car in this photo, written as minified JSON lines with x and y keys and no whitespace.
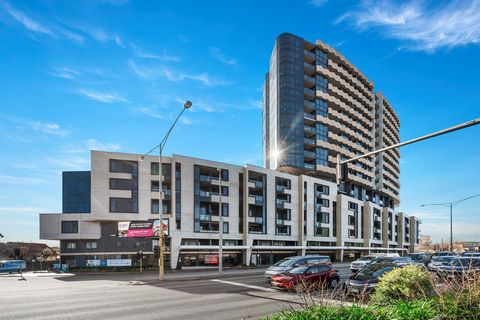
{"x":443,"y":253}
{"x":364,"y":281}
{"x":439,"y":261}
{"x":363,"y":261}
{"x":322,"y":274}
{"x":292,"y":262}
{"x":422,"y":259}
{"x":471,"y":254}
{"x":460,"y":266}
{"x":398,"y":261}
{"x":12,"y":266}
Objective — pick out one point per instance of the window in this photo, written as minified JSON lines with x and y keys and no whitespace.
{"x":123,"y":166}
{"x":353,"y":206}
{"x":325,"y":217}
{"x":155,"y":206}
{"x":321,"y":58}
{"x":225,"y":227}
{"x":321,"y":83}
{"x":121,"y":184}
{"x":225,"y":209}
{"x":351,"y":220}
{"x":352,"y":234}
{"x":71,"y":245}
{"x":321,"y":132}
{"x":224,"y":174}
{"x":166,"y":167}
{"x":323,"y":202}
{"x":322,"y":189}
{"x":323,"y":232}
{"x":155,"y":185}
{"x":321,"y":107}
{"x":224,"y":191}
{"x":322,"y":156}
{"x":69,"y":226}
{"x":91,"y":245}
{"x":124,"y":205}
{"x":323,"y":269}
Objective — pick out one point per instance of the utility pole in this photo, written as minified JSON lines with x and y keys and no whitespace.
{"x":220,"y":227}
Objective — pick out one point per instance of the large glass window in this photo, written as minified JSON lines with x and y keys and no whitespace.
{"x":91,"y":245}
{"x":69,"y":226}
{"x":225,"y":209}
{"x":225,"y":227}
{"x":321,"y":83}
{"x":123,"y":166}
{"x":321,"y":132}
{"x":155,"y":206}
{"x":124,"y":205}
{"x":224,"y":191}
{"x":224,"y":174}
{"x":321,"y":107}
{"x":121,"y":184}
{"x":322,"y":156}
{"x":321,"y":58}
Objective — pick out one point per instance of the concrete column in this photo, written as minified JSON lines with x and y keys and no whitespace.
{"x":175,"y":243}
{"x":247,"y":253}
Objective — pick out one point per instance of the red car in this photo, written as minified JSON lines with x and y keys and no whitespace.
{"x":322,"y":274}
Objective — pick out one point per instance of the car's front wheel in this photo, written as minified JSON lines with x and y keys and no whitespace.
{"x":334,"y":283}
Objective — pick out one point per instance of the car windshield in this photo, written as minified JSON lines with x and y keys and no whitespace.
{"x":373,"y":271}
{"x":367,"y":258}
{"x":284,"y":262}
{"x":298,"y":270}
{"x":416,"y":257}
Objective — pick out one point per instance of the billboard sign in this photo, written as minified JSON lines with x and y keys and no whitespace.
{"x":109,"y":263}
{"x":141,"y":229}
{"x":211,"y":259}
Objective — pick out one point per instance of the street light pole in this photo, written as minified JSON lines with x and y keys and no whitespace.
{"x":451,"y":205}
{"x":220,"y":224}
{"x":161,"y":146}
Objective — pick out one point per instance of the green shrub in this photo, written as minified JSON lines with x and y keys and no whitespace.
{"x":403,"y":284}
{"x":329,"y":313}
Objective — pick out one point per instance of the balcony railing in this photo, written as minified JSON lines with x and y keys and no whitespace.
{"x":309,"y":166}
{"x":309,"y":105}
{"x":258,"y":184}
{"x":309,"y":92}
{"x":279,"y":222}
{"x":309,"y":154}
{"x":309,"y":54}
{"x":309,"y":115}
{"x":308,"y":141}
{"x":205,"y":217}
{"x":309,"y":129}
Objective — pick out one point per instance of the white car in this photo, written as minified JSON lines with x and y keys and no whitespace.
{"x":363,"y":261}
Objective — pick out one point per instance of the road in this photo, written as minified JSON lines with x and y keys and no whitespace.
{"x":128,"y":296}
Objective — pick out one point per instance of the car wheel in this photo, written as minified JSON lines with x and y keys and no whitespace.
{"x":334,"y":283}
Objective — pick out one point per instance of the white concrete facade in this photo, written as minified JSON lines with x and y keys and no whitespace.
{"x":268,"y":210}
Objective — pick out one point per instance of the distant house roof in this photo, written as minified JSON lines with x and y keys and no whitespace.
{"x":31,"y":250}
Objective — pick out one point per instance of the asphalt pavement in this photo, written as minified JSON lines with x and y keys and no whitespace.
{"x":238,"y":294}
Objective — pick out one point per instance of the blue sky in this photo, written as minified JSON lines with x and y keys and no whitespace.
{"x":112,"y":74}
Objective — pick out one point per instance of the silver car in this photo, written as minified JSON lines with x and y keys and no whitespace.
{"x":291,"y":262}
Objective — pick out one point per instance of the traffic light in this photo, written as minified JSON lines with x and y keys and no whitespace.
{"x":139,"y":255}
{"x":17,"y":253}
{"x":156,"y":251}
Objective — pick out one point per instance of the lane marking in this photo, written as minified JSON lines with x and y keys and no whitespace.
{"x":244,"y":285}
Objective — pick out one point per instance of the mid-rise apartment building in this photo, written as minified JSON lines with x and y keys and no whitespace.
{"x":267,"y":214}
{"x":317,"y":107}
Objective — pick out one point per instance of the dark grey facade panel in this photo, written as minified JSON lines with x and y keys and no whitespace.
{"x":76,"y":191}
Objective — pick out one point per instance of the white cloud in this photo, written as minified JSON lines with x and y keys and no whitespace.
{"x":93,"y":144}
{"x":186,"y":121}
{"x":65,"y":72}
{"x":9,"y":179}
{"x":175,"y":75}
{"x":318,"y":3}
{"x":38,"y":27}
{"x":69,"y":162}
{"x":140,"y":53}
{"x":102,"y":35}
{"x":33,"y":210}
{"x":104,"y":97}
{"x":27,"y":21}
{"x":50,"y":128}
{"x":149,"y":112}
{"x":218,"y":55}
{"x":447,"y":25}
{"x":256,"y":103}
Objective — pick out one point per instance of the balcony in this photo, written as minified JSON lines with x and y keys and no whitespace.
{"x":258,"y":220}
{"x":309,"y":154}
{"x":308,"y":68}
{"x":280,"y":188}
{"x":309,"y":56}
{"x":280,"y":203}
{"x":309,"y":93}
{"x":205,"y":217}
{"x":309,"y":116}
{"x":310,"y":106}
{"x":279,"y":222}
{"x":309,"y":81}
{"x":309,"y":141}
{"x":309,"y":166}
{"x":258,"y":199}
{"x":309,"y":129}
